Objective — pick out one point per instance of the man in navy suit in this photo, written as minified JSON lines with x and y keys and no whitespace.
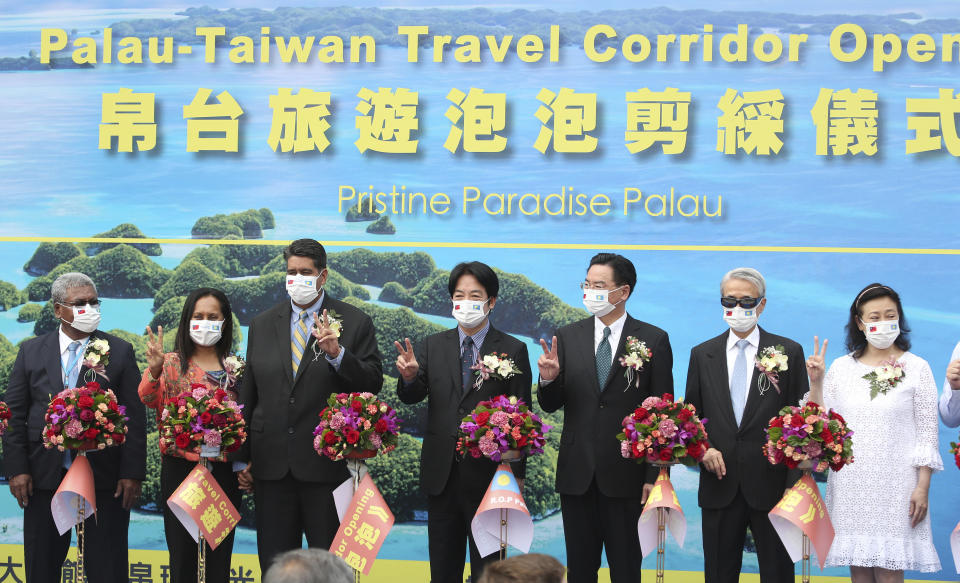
{"x":45,"y":365}
{"x":601,"y":493}
{"x":739,"y":486}
{"x":442,"y":373}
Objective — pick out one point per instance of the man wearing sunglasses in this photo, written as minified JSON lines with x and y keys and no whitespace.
{"x":738,"y":486}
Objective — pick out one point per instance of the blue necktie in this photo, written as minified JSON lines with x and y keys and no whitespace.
{"x":72,"y":375}
{"x":739,"y":381}
{"x":74,"y":371}
{"x":466,"y":362}
{"x":604,"y":358}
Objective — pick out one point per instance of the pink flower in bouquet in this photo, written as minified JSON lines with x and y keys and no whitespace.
{"x":668,"y":428}
{"x":375,"y":440}
{"x":73,"y":428}
{"x":650,"y":402}
{"x":199,"y":392}
{"x":212,"y":438}
{"x":625,"y":449}
{"x":499,"y":418}
{"x":487,"y":444}
{"x":337,"y":421}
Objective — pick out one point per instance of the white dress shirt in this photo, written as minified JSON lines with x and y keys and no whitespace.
{"x":65,"y":342}
{"x":616,"y":329}
{"x":750,"y":352}
{"x":950,"y":399}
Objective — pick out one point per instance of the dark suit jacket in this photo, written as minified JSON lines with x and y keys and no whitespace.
{"x":708,"y":388}
{"x":593,"y":415}
{"x":36,"y":378}
{"x":441,"y":380}
{"x":283,"y":411}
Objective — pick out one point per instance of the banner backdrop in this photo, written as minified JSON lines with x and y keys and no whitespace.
{"x":160,"y":147}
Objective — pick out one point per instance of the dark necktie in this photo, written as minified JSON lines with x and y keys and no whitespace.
{"x":466,"y":362}
{"x":604,"y":358}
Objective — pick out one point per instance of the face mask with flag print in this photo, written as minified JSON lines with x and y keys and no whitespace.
{"x":740,"y":319}
{"x":206,"y":332}
{"x":469,"y":313}
{"x":881,"y":335}
{"x":302,"y":289}
{"x":85,"y":318}
{"x":597,"y":301}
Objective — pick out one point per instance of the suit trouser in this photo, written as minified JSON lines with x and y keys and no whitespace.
{"x":448,"y":524}
{"x":288,"y":509}
{"x":592,"y":522}
{"x":724,"y":530}
{"x":180,"y":544}
{"x":105,"y":555}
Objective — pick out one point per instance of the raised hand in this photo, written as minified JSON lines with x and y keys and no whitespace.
{"x":953,"y":375}
{"x":155,"y":351}
{"x":549,"y":362}
{"x":816,"y":364}
{"x":327,"y":339}
{"x":407,"y":363}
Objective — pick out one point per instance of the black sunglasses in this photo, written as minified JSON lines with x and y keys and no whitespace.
{"x":745,"y":303}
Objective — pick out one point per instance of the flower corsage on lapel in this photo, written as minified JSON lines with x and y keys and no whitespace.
{"x":497,"y":366}
{"x":96,"y":358}
{"x":633,"y":361}
{"x":771,"y":361}
{"x":233,"y":366}
{"x":886,"y":376}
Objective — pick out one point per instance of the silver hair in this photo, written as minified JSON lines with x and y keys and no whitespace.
{"x":749,"y":275}
{"x":308,"y":566}
{"x":68,"y":281}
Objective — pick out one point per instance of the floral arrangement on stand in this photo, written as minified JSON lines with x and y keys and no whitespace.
{"x":809,"y":436}
{"x":203,"y":421}
{"x":356,"y":426}
{"x":502,"y":429}
{"x":664,"y":431}
{"x":84,"y":418}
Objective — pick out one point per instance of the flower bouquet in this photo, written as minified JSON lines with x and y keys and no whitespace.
{"x":203,"y":421}
{"x":4,"y":417}
{"x":356,"y":426}
{"x":955,"y":450}
{"x":663,"y":431}
{"x":84,"y":418}
{"x":502,"y":429}
{"x":809,"y":436}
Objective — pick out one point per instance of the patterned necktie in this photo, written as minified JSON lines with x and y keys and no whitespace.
{"x":604,"y":358}
{"x":299,"y":341}
{"x":74,"y":371}
{"x":466,"y":362}
{"x":739,"y":381}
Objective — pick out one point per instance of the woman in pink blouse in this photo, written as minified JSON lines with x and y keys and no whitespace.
{"x":203,"y":341}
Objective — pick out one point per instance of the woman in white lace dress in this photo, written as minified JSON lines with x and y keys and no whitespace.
{"x":879,"y":503}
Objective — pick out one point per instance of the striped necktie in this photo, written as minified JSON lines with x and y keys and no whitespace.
{"x":298,"y":343}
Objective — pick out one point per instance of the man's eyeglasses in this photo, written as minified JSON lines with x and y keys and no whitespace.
{"x":597,"y":286}
{"x":745,"y":303}
{"x":81,"y":303}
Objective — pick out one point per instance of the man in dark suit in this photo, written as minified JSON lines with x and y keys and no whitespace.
{"x":601,"y":493}
{"x":740,"y":486}
{"x":442,"y":371}
{"x":45,"y":365}
{"x":290,"y":373}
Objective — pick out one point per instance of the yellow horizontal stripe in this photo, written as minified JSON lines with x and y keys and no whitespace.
{"x":498,"y":245}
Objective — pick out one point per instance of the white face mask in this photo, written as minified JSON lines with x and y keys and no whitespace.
{"x":85,"y":318}
{"x":302,"y":289}
{"x":881,"y":335}
{"x":469,"y":313}
{"x":597,"y":301}
{"x":740,"y":319}
{"x":206,"y":332}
